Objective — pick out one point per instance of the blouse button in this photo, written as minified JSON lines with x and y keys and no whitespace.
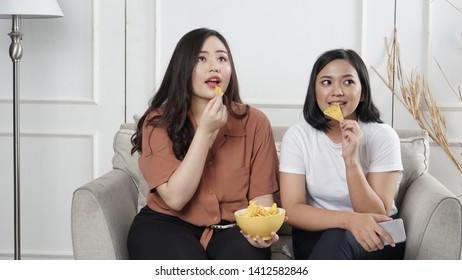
{"x":215,"y":218}
{"x":210,"y":162}
{"x":210,"y":191}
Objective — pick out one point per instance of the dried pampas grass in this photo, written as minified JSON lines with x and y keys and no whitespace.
{"x":416,"y":96}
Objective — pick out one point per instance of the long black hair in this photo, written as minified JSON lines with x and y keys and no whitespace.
{"x":366,"y":110}
{"x":173,"y":98}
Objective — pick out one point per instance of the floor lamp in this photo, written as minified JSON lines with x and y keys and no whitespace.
{"x":16,"y":10}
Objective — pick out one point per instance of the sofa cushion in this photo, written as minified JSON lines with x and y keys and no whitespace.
{"x":124,"y":160}
{"x":415,"y":152}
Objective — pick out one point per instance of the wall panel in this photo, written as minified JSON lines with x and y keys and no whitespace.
{"x":45,"y":194}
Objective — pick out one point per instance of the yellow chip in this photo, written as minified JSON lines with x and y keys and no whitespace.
{"x":254,"y":210}
{"x":218,"y":91}
{"x":334,"y":112}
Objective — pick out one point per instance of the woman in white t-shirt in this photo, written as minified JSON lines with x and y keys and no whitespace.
{"x":338,"y":178}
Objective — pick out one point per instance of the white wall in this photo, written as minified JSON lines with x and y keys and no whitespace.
{"x":107,"y":57}
{"x":275,"y":43}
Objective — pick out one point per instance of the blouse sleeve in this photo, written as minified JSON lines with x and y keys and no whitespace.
{"x":264,"y":165}
{"x":157,"y":161}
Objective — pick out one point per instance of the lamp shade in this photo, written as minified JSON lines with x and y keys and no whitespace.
{"x":30,"y":8}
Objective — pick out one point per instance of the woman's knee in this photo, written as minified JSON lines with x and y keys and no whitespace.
{"x":336,"y":244}
{"x":230,"y":244}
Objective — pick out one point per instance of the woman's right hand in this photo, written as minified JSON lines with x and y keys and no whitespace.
{"x":367,"y":231}
{"x":214,"y":115}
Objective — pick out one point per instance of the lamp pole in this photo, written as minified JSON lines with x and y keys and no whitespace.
{"x":18,"y":10}
{"x":15,"y":55}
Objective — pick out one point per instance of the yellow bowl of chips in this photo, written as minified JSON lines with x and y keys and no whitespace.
{"x":257,"y":220}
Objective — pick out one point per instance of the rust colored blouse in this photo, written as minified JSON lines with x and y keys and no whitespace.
{"x":242,"y":164}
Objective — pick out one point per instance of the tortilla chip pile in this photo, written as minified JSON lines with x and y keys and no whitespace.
{"x":254,"y":210}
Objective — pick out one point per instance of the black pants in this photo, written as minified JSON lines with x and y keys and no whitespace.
{"x":338,"y":244}
{"x":158,"y":236}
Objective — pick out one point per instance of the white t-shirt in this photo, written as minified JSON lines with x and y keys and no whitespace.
{"x":307,"y":151}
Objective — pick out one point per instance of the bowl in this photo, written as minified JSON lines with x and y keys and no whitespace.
{"x":260,"y":226}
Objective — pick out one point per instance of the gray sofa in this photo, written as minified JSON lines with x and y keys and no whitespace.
{"x":103,"y":209}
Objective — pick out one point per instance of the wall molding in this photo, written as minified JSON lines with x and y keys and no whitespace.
{"x":274,"y":105}
{"x":95,"y":52}
{"x":450,"y":107}
{"x":38,"y":255}
{"x":453,"y":143}
{"x":52,"y":101}
{"x":92,"y":136}
{"x":94,"y":99}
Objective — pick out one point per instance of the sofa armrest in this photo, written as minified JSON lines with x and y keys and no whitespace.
{"x":433,"y":220}
{"x":101,"y":215}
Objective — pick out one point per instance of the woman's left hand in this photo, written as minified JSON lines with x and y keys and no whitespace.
{"x":351,"y":136}
{"x":260,"y":243}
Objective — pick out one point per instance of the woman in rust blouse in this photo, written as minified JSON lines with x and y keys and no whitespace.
{"x":204,"y":156}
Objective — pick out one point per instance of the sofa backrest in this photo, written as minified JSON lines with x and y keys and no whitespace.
{"x":124,"y":160}
{"x":414,"y":151}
